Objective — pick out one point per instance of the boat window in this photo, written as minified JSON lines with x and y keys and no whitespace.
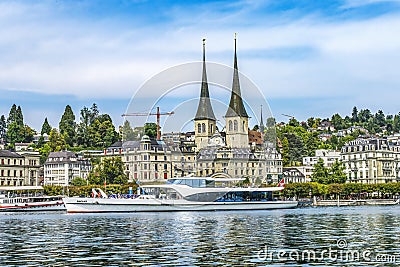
{"x":196,"y":183}
{"x":189,"y":182}
{"x":210,"y":183}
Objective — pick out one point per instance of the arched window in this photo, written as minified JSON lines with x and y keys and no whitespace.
{"x":203,"y":127}
{"x":235,"y":125}
{"x":199,"y":128}
{"x":243,"y":126}
{"x":230,"y":126}
{"x":211,"y":129}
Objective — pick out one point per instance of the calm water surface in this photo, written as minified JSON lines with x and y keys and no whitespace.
{"x":240,"y":238}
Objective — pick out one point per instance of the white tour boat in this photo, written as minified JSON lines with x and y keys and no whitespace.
{"x":28,"y":198}
{"x":182,"y":194}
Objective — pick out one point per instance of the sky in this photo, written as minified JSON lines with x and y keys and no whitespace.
{"x":308,"y":58}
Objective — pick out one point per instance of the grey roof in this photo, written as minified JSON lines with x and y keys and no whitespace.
{"x":131,"y":144}
{"x":204,"y":110}
{"x":236,"y":107}
{"x":62,"y":154}
{"x":9,"y":154}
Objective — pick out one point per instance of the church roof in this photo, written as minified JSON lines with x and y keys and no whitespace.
{"x":204,"y":110}
{"x":236,"y":106}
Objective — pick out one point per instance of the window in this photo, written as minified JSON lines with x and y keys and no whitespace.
{"x":243,"y":126}
{"x":211,"y":129}
{"x":199,"y":128}
{"x":203,"y":127}
{"x":235,"y":126}
{"x":20,"y":173}
{"x":230,"y":125}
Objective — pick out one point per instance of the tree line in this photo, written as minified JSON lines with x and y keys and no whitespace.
{"x":301,"y":139}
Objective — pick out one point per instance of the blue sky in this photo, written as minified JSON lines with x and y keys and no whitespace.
{"x":308,"y":57}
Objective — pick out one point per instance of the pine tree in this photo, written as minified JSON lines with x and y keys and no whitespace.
{"x":3,"y":128}
{"x":354,"y":115}
{"x":46,"y":128}
{"x":12,"y":115}
{"x":19,"y":117}
{"x":127,"y":132}
{"x":67,"y":125}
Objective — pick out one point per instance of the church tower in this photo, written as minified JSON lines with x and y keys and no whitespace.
{"x":205,"y":121}
{"x":237,"y":120}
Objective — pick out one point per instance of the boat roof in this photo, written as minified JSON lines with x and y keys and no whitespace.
{"x":20,"y":188}
{"x":186,"y":190}
{"x":208,"y":178}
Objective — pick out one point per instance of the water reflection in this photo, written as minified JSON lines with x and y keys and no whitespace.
{"x":193,"y":239}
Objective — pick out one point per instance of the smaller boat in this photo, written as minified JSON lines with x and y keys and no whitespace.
{"x":28,"y":199}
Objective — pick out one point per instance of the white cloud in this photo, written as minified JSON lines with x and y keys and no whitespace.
{"x":45,"y":50}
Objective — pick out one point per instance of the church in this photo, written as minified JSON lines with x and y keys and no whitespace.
{"x":232,"y":153}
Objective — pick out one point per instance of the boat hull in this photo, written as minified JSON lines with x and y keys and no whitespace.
{"x":32,"y":207}
{"x":92,"y":205}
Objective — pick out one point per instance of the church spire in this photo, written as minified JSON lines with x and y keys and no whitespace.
{"x":261,"y":122}
{"x":204,"y":110}
{"x":236,"y":106}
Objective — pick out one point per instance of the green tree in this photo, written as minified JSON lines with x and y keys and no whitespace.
{"x":294,"y":122}
{"x":338,"y":122}
{"x":78,"y":181}
{"x":354,"y":115}
{"x":19,"y":117}
{"x":127,"y":132}
{"x":150,"y":129}
{"x":67,"y":125}
{"x":320,"y":173}
{"x":109,"y":170}
{"x":3,"y":128}
{"x":380,"y":118}
{"x":396,"y":123}
{"x":44,"y":151}
{"x":12,"y":115}
{"x":56,"y":141}
{"x":285,"y":152}
{"x":336,"y":173}
{"x":46,"y":128}
{"x":271,"y":122}
{"x":296,"y":148}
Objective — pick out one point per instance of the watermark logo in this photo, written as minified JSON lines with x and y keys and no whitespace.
{"x":340,"y":253}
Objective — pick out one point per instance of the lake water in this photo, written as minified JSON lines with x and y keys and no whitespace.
{"x":358,"y":236}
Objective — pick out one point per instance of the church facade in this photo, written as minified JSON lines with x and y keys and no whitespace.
{"x":231,"y":153}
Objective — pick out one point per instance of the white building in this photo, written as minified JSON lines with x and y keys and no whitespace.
{"x":328,"y":156}
{"x":62,"y":167}
{"x":19,"y":168}
{"x":371,"y":161}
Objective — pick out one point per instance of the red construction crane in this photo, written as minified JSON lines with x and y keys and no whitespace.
{"x":158,"y":114}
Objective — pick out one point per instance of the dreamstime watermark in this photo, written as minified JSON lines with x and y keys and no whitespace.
{"x":340,"y":252}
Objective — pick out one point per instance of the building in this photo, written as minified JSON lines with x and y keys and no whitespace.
{"x":19,"y":168}
{"x":151,"y":160}
{"x":62,"y":167}
{"x":328,"y":156}
{"x":295,"y":175}
{"x":371,"y":161}
{"x":235,"y":152}
{"x":207,"y":151}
